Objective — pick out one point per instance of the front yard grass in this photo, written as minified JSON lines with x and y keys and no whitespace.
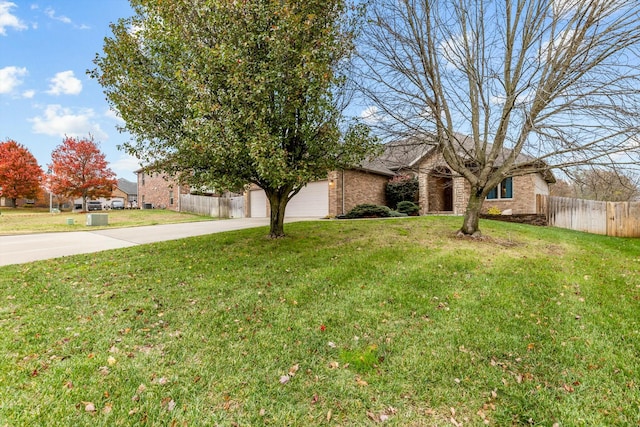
{"x":21,"y":221}
{"x":348,"y":323}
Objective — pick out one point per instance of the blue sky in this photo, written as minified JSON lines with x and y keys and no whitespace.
{"x":45,"y":49}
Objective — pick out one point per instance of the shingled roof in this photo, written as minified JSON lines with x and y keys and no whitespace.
{"x":128,"y":187}
{"x":408,"y":152}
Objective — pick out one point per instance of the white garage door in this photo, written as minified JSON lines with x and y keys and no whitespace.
{"x":258,"y":203}
{"x":312,"y":201}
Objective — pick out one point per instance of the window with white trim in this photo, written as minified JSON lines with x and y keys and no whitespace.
{"x":504,"y":190}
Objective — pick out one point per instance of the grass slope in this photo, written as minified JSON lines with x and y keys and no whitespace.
{"x":342,"y":323}
{"x":24,"y":221}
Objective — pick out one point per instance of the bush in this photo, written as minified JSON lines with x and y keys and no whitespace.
{"x":494,"y":211}
{"x":369,"y":211}
{"x":401,"y":188}
{"x":408,"y":207}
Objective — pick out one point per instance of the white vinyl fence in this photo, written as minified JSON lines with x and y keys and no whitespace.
{"x":217,"y":207}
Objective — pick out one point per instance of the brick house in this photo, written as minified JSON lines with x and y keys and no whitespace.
{"x":440,"y":190}
{"x":127,"y":191}
{"x":158,"y":191}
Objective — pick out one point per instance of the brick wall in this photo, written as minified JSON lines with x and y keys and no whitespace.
{"x":159,"y":190}
{"x":432,"y":194}
{"x":525,"y":188}
{"x":354,"y":187}
{"x":524,"y":196}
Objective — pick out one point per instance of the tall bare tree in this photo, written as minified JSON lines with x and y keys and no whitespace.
{"x":547,"y":83}
{"x":606,"y":184}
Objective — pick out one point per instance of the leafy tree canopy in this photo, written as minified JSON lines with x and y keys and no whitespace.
{"x":80,"y":169}
{"x":226,"y":93}
{"x":20,"y":174}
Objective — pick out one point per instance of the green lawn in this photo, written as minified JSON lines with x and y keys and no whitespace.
{"x":348,"y":323}
{"x":21,"y":221}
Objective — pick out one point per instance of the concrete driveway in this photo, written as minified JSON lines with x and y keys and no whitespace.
{"x":34,"y":247}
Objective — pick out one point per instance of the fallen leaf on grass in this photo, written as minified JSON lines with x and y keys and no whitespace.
{"x":89,"y":406}
{"x":361,"y":382}
{"x":111,"y":360}
{"x":284,"y":379}
{"x":294,"y":369}
{"x":107,"y":408}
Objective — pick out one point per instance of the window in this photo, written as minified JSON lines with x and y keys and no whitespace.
{"x":504,"y":190}
{"x":170,"y":198}
{"x":142,"y":174}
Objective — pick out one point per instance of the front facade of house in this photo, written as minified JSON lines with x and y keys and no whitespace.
{"x":440,"y":190}
{"x":338,"y":194}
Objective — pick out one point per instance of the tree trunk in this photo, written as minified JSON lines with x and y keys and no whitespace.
{"x":470,"y":223}
{"x":278,"y":200}
{"x":14,"y":202}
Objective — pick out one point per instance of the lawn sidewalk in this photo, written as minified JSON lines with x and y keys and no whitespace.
{"x":33,"y":247}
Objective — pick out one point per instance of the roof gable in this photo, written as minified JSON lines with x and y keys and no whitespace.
{"x":408,"y":152}
{"x":127,"y":187}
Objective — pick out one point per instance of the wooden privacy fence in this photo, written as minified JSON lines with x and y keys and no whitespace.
{"x":217,"y":207}
{"x":621,"y":219}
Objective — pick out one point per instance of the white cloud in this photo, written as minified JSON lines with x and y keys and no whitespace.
{"x":453,"y":50}
{"x":125,"y":164}
{"x":10,"y":78}
{"x":59,"y":121}
{"x":371,"y":115}
{"x":113,"y":115}
{"x":29,"y":93}
{"x":52,"y":14}
{"x":7,"y":20}
{"x":65,"y":83}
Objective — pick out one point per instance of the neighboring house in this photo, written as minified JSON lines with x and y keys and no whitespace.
{"x":127,"y":191}
{"x":157,"y":191}
{"x":441,"y":190}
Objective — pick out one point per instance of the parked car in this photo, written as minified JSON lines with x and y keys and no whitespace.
{"x":94,"y":205}
{"x":117,"y":204}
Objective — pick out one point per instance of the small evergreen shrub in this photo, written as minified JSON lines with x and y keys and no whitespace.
{"x":369,"y":211}
{"x":401,"y":188}
{"x":408,"y":207}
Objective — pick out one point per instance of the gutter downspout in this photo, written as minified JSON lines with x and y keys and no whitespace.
{"x":343,"y":192}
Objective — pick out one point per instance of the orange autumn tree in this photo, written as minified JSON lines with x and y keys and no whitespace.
{"x":20,"y":174}
{"x":80,"y":169}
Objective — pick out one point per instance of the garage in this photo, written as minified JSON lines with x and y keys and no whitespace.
{"x":258,"y":203}
{"x":311,"y":201}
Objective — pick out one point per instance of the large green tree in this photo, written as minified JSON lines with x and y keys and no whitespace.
{"x":229,"y":93}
